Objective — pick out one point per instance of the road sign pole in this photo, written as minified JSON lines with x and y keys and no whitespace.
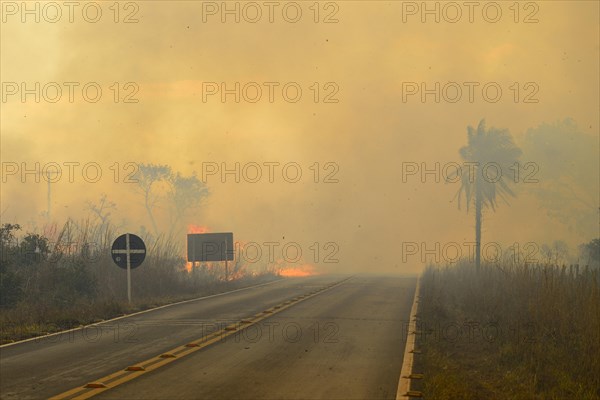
{"x":128,"y":268}
{"x":122,"y":249}
{"x":129,"y":281}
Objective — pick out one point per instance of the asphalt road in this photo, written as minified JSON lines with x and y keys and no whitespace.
{"x":345,"y":342}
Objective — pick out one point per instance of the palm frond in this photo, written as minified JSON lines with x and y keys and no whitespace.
{"x":485,"y":147}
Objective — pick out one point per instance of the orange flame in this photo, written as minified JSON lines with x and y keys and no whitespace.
{"x":197,"y":228}
{"x":297,"y":271}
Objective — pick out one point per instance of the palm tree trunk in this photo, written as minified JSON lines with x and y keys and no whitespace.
{"x":478,"y":207}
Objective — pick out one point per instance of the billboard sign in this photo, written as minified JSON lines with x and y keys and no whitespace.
{"x":210,"y":247}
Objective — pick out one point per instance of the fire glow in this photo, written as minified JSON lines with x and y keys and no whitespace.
{"x":197,"y":229}
{"x":297,"y":271}
{"x":280,"y":266}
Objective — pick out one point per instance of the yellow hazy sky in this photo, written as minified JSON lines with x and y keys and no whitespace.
{"x":365,"y":58}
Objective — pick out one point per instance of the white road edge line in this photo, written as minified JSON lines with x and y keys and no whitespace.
{"x":407,"y":363}
{"x":137,"y":313}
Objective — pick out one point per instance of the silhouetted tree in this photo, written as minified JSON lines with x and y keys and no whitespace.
{"x":564,"y":166}
{"x":489,"y":156}
{"x":591,"y":252}
{"x":147,"y":176}
{"x":185,"y":194}
{"x":102,"y":210}
{"x":10,"y":282}
{"x":177,"y":192}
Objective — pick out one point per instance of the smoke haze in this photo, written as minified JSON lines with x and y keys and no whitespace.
{"x":366,"y":61}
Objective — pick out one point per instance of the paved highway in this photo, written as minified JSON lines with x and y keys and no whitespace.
{"x":344,"y":340}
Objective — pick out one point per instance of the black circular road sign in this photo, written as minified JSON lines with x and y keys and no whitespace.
{"x":128,"y":248}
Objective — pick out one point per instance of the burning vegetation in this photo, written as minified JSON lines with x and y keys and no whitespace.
{"x":249,"y":262}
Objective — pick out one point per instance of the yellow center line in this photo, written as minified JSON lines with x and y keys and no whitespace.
{"x":119,"y":377}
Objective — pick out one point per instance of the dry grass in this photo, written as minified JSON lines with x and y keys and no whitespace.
{"x":516,"y":332}
{"x":76,"y":282}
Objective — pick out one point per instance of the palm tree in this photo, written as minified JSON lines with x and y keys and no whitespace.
{"x":488,"y":158}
